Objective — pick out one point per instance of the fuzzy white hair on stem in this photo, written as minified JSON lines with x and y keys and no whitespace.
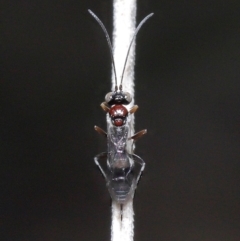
{"x":124,"y":22}
{"x":123,"y":60}
{"x":124,"y":33}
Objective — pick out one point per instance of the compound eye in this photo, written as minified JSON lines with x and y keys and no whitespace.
{"x":128,"y":97}
{"x":109,"y":96}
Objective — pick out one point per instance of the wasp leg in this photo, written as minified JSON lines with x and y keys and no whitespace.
{"x":138,"y":135}
{"x":101,"y":162}
{"x":105,"y":106}
{"x":133,"y":109}
{"x":100,"y":131}
{"x":140,"y":161}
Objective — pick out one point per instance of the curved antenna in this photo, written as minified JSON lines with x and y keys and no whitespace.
{"x":136,"y":31}
{"x":109,"y":44}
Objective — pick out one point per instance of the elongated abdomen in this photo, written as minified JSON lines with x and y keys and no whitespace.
{"x":121,"y":185}
{"x":120,"y":191}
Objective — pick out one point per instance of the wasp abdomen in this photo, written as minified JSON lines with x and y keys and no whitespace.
{"x":121,"y":186}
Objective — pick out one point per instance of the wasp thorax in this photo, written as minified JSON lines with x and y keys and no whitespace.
{"x":118,"y":97}
{"x":118,"y":114}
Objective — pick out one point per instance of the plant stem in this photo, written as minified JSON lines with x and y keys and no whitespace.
{"x":124,"y":20}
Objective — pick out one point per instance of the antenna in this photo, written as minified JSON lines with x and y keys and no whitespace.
{"x":109,"y":45}
{"x":136,"y":31}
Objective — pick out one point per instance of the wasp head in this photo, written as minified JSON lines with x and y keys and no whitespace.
{"x":118,"y":97}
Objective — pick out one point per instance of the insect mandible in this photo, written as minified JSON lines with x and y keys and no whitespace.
{"x":120,"y":167}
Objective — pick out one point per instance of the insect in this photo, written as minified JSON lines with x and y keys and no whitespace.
{"x":120,"y":167}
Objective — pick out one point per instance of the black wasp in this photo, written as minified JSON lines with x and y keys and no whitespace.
{"x":119,"y":165}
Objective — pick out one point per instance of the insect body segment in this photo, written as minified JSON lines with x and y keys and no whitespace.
{"x":119,"y":165}
{"x":117,"y":111}
{"x":118,"y":115}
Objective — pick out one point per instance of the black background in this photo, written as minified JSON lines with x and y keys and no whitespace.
{"x":55,"y":72}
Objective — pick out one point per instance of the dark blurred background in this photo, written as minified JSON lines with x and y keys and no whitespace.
{"x":55,"y":72}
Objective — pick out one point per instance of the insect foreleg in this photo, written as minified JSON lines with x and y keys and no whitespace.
{"x":133,"y":109}
{"x":105,"y":106}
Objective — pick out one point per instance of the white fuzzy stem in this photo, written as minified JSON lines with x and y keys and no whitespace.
{"x":116,"y":222}
{"x":124,"y":21}
{"x":127,"y":228}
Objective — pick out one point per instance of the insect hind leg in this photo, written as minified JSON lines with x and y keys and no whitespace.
{"x":139,"y":168}
{"x":101,"y":161}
